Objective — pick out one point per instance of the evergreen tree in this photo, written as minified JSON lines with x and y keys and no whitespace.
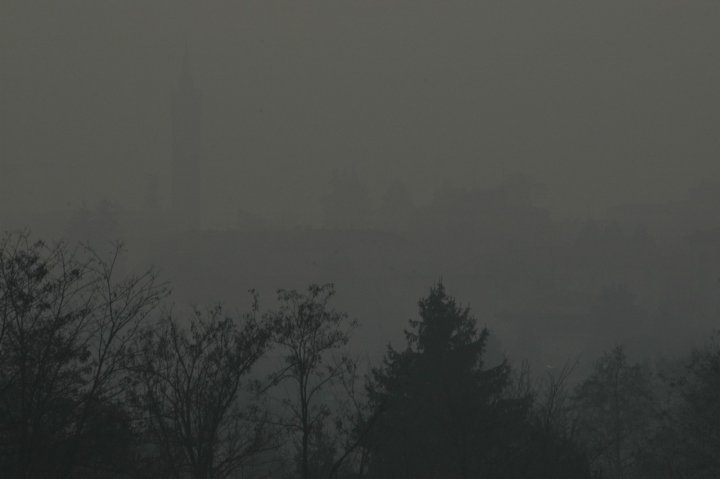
{"x":443,"y":414}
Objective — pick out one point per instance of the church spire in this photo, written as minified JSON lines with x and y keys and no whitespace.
{"x":187,"y":168}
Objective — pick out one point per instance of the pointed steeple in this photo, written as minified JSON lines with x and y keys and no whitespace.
{"x":187,"y":200}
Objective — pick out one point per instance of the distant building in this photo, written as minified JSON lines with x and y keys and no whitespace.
{"x":188,"y":188}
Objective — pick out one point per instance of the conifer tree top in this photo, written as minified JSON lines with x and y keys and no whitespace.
{"x":444,"y":325}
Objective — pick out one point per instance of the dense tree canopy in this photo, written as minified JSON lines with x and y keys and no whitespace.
{"x":444,"y":414}
{"x":92,"y":386}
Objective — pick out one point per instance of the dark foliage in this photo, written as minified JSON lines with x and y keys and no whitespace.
{"x":444,"y":415}
{"x":189,"y":386}
{"x":90,"y":387}
{"x":316,"y":377}
{"x":685,"y":443}
{"x":67,"y":326}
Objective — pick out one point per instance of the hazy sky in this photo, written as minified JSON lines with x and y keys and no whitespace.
{"x":605,"y":100}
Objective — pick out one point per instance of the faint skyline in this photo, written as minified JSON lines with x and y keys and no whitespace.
{"x":605,"y":102}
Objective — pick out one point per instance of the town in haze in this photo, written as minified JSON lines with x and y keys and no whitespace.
{"x":360,"y":239}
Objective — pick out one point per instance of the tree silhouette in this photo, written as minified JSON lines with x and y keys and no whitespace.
{"x":550,"y":448}
{"x":686,"y":439}
{"x":192,"y":389}
{"x":701,"y":412}
{"x":66,"y":328}
{"x":443,"y":413}
{"x":613,"y":407}
{"x":311,"y":337}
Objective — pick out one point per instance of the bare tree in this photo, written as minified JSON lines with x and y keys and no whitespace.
{"x":66,"y":326}
{"x":554,"y":404}
{"x":193,"y":387}
{"x":354,"y":421}
{"x":613,"y":406}
{"x":312,"y":337}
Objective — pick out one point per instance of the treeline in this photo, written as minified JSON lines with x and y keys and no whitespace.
{"x":100,"y":377}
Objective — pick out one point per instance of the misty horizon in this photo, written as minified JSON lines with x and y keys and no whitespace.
{"x":356,"y":238}
{"x":605,"y":104}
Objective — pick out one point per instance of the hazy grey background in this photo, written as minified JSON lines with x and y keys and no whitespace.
{"x":377,"y":144}
{"x":604,"y":101}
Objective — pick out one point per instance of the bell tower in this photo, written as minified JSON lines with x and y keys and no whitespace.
{"x":188,"y":189}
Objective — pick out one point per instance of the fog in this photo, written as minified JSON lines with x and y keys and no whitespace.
{"x":603,"y":102}
{"x":353,"y":132}
{"x":553,"y":164}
